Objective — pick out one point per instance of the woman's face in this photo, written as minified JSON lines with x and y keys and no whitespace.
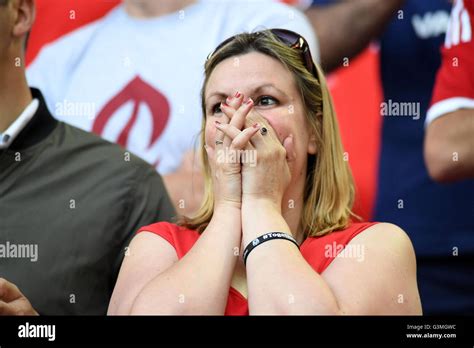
{"x":276,"y":97}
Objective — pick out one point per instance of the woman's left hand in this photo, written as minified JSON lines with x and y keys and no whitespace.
{"x":267,"y":174}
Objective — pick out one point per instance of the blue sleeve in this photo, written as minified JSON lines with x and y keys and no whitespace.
{"x":323,"y":2}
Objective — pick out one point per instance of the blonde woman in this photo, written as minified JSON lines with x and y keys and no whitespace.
{"x":274,"y":234}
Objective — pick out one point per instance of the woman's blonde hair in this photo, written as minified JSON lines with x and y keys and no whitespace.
{"x":329,"y":188}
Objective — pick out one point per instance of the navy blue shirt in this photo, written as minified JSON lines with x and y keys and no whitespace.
{"x":437,"y":217}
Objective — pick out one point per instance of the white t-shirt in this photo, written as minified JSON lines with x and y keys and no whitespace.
{"x":137,"y":82}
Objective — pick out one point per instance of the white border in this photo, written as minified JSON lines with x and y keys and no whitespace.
{"x":446,"y":106}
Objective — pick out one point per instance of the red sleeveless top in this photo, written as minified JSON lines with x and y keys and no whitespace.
{"x":314,"y":251}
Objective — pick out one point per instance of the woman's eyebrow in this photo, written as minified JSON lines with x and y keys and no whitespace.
{"x":221,"y":95}
{"x":253,"y":91}
{"x":267,"y":85}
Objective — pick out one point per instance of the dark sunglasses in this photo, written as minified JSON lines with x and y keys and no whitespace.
{"x":289,"y":38}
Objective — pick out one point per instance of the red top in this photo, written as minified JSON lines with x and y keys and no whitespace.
{"x":318,"y":252}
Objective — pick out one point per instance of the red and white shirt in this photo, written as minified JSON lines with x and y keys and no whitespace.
{"x":454,"y":88}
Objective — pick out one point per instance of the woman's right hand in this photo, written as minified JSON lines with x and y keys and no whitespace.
{"x":224,"y":154}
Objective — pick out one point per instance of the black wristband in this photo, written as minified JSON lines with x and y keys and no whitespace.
{"x":265,"y":238}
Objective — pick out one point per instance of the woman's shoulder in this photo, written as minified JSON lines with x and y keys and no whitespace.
{"x":321,"y":251}
{"x":343,"y":236}
{"x":180,"y":237}
{"x":386,"y":235}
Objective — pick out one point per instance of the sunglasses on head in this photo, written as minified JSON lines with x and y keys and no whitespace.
{"x":289,"y":38}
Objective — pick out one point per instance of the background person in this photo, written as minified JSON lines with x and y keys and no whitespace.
{"x":436,"y":217}
{"x":449,"y":137}
{"x":68,"y":199}
{"x":346,"y":27}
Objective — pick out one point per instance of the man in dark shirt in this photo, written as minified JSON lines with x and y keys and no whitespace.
{"x":70,"y":202}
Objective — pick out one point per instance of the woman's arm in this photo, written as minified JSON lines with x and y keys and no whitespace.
{"x":198,"y":283}
{"x":383,"y":280}
{"x":148,"y":255}
{"x":153,"y":281}
{"x":280,"y":281}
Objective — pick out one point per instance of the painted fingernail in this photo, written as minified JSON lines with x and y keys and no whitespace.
{"x":255,"y":125}
{"x":224,"y":104}
{"x":228,"y":100}
{"x":217,"y":123}
{"x":249,"y":102}
{"x":238,"y":94}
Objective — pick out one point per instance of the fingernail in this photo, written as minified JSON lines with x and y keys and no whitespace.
{"x":238,"y":94}
{"x":250,"y":101}
{"x":217,"y":123}
{"x":224,"y":104}
{"x":255,"y":125}
{"x":227,"y":100}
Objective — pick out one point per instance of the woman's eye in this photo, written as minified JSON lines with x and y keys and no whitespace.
{"x":216,"y":109}
{"x":266,"y":101}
